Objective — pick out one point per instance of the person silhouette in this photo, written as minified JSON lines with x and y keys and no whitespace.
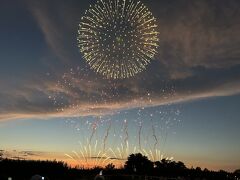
{"x":99,"y":176}
{"x":36,"y":177}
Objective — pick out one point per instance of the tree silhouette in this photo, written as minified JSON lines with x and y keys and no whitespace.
{"x":138,"y":164}
{"x":110,"y":167}
{"x":237,"y":173}
{"x":169,"y":168}
{"x":1,"y":154}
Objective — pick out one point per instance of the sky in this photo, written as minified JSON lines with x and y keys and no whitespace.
{"x":185,"y":104}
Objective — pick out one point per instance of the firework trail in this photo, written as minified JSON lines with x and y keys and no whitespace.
{"x":92,"y":134}
{"x":89,"y":156}
{"x":139,"y":135}
{"x":114,"y":154}
{"x":71,"y":157}
{"x":106,"y":136}
{"x":126,"y":135}
{"x":146,"y":140}
{"x":154,"y":136}
{"x":94,"y":128}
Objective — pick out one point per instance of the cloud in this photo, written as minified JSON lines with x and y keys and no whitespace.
{"x":199,"y":33}
{"x":199,"y":57}
{"x":32,"y":155}
{"x":76,"y":97}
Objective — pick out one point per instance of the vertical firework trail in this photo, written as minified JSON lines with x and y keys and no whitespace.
{"x":106,"y":136}
{"x":94,"y":128}
{"x":139,"y":135}
{"x":96,"y":133}
{"x":154,"y":136}
{"x":126,"y":135}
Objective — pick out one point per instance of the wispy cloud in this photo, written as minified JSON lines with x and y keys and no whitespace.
{"x":32,"y":155}
{"x":199,"y":57}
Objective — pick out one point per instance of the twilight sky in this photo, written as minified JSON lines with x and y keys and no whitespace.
{"x":189,"y":96}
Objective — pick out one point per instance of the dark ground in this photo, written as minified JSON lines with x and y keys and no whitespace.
{"x":137,"y":167}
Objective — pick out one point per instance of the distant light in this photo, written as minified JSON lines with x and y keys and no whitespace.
{"x":43,"y":178}
{"x":9,"y":178}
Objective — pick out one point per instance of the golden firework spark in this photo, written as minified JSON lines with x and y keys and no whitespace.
{"x":118,"y":38}
{"x":90,"y":156}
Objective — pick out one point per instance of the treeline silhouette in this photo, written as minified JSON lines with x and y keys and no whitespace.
{"x":137,"y":167}
{"x":139,"y":164}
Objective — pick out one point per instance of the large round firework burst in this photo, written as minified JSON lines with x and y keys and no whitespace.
{"x":118,"y":38}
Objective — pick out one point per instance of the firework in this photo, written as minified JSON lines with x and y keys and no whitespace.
{"x":90,"y":155}
{"x":111,"y":138}
{"x":118,"y":38}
